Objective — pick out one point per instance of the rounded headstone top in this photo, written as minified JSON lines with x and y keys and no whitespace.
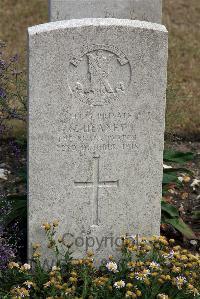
{"x":145,"y":10}
{"x":108,"y":22}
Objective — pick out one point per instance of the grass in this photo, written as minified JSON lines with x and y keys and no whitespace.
{"x":182,"y":18}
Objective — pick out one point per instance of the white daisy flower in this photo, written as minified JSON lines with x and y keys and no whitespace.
{"x":112,"y":266}
{"x":180,"y":281}
{"x":154,"y":266}
{"x":119,"y":284}
{"x":170,"y":255}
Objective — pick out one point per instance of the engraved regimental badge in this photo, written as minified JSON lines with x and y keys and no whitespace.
{"x":100,"y":75}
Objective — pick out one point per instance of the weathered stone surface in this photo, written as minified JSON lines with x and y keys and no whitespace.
{"x":96,"y":126}
{"x":145,"y":10}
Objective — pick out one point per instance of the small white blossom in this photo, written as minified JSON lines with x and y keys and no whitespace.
{"x":180,"y":178}
{"x":193,"y":242}
{"x":154,"y":265}
{"x":29,"y":284}
{"x":54,"y":268}
{"x":166,"y":166}
{"x":112,"y":266}
{"x":27,"y":267}
{"x":195,"y":183}
{"x":170,"y":255}
{"x":180,"y":281}
{"x":4,"y":174}
{"x":162,"y":296}
{"x":119,"y":284}
{"x":142,"y":275}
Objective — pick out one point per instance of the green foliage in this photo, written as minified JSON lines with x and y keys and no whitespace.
{"x":177,"y":157}
{"x":170,"y":215}
{"x":147,"y":269}
{"x":171,"y":175}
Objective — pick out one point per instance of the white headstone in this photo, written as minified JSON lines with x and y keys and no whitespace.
{"x":145,"y":10}
{"x":96,"y":129}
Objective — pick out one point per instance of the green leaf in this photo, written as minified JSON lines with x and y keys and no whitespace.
{"x":181,"y":226}
{"x":177,"y":157}
{"x":169,"y":209}
{"x":178,"y":170}
{"x":169,"y":178}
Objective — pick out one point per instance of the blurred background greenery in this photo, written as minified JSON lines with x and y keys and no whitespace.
{"x":182,"y":19}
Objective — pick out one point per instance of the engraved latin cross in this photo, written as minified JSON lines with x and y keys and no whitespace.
{"x":95,"y":185}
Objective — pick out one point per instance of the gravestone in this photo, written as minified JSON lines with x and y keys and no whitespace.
{"x":145,"y":10}
{"x":96,"y":127}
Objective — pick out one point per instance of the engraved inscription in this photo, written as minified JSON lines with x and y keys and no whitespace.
{"x":98,"y":132}
{"x":96,"y":184}
{"x":99,"y":75}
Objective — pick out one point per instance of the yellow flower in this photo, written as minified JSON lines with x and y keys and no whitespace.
{"x":55,"y":223}
{"x":171,"y":241}
{"x":46,"y":226}
{"x":167,"y":277}
{"x":51,"y":244}
{"x":36,"y":245}
{"x":154,"y":266}
{"x":36,"y":254}
{"x":186,"y":179}
{"x":73,"y":274}
{"x":25,"y":267}
{"x":183,"y":258}
{"x":195,"y":292}
{"x":60,"y":239}
{"x":176,"y":269}
{"x":55,"y":268}
{"x":138,"y":293}
{"x":20,"y":292}
{"x":162,"y":296}
{"x":68,"y":291}
{"x":47,"y":284}
{"x":90,"y":253}
{"x":146,"y":281}
{"x":13,"y":265}
{"x":131,"y":264}
{"x":130,"y":294}
{"x":29,"y":284}
{"x":58,"y":286}
{"x":129,"y":285}
{"x":73,"y":279}
{"x":176,"y":248}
